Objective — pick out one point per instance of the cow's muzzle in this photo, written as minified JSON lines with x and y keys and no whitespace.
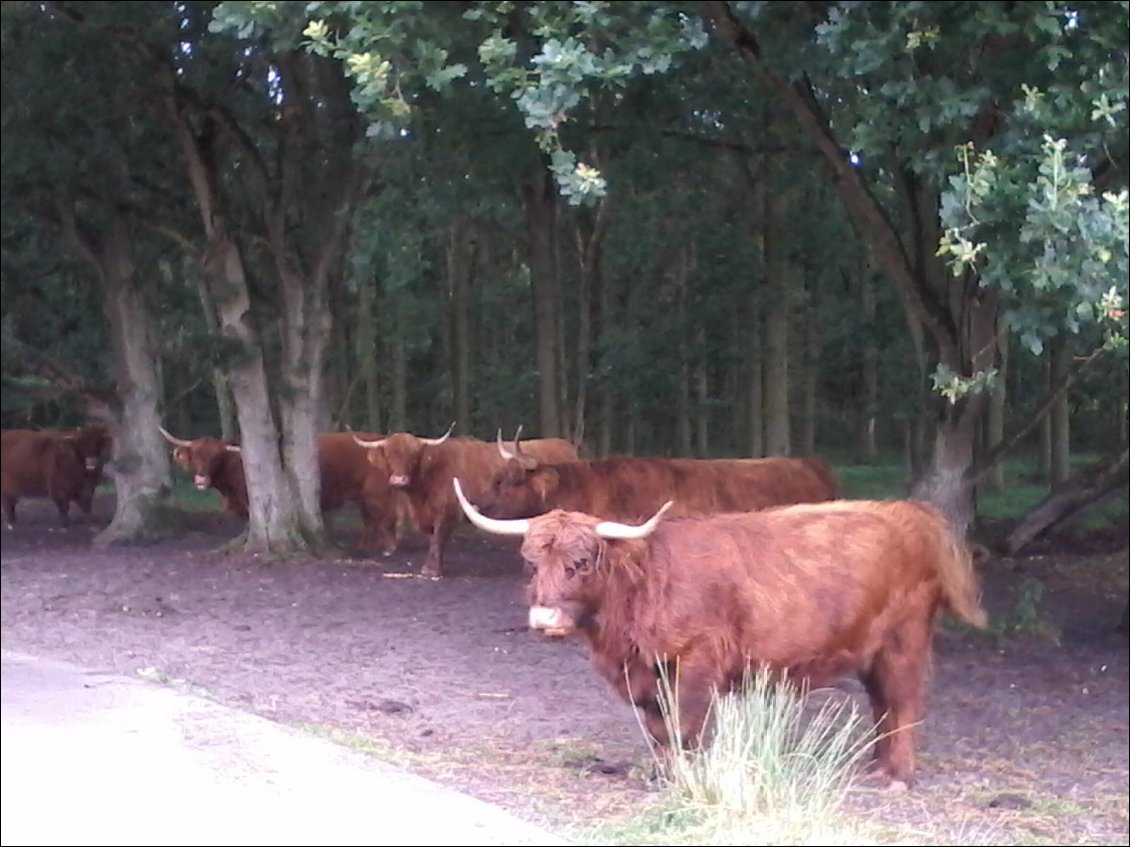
{"x":202,"y":482}
{"x":552,"y":622}
{"x":398,"y":480}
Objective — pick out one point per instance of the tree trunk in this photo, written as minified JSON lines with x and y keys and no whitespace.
{"x":994,"y":421}
{"x":755,"y":437}
{"x":1059,"y":355}
{"x":868,"y":451}
{"x":225,"y":406}
{"x":683,"y":387}
{"x":140,"y":465}
{"x":810,"y":372}
{"x":368,"y":359}
{"x":1070,"y":498}
{"x":778,"y":438}
{"x":460,"y":258}
{"x":1044,"y":457}
{"x":702,"y":396}
{"x":399,"y":419}
{"x":541,"y":228}
{"x":589,"y":234}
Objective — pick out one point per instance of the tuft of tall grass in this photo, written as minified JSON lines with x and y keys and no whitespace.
{"x":774,"y":757}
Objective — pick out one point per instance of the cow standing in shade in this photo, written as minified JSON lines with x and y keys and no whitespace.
{"x":50,"y":463}
{"x":423,"y":469}
{"x":816,"y":591}
{"x":629,"y":488}
{"x":345,"y":479}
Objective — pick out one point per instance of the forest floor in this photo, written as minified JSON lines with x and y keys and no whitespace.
{"x":1025,"y":738}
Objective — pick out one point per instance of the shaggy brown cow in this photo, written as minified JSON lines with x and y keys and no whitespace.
{"x":423,"y":469}
{"x":94,"y":444}
{"x":345,"y":479}
{"x":628,"y":488}
{"x":816,"y":591}
{"x":43,"y":463}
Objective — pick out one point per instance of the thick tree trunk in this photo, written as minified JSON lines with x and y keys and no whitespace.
{"x":1070,"y":498}
{"x":274,"y":520}
{"x":225,"y":406}
{"x":140,"y":465}
{"x":541,"y":229}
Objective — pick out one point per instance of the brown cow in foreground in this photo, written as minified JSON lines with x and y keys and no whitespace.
{"x":629,"y":488}
{"x":423,"y":469}
{"x":345,"y":471}
{"x":815,"y":590}
{"x":61,"y":465}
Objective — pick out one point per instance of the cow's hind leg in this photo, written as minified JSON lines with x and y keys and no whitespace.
{"x":10,"y":510}
{"x":896,"y":685}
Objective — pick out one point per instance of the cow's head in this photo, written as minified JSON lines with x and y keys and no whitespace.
{"x":566,"y":556}
{"x":401,"y":454}
{"x":204,"y":458}
{"x":522,"y":487}
{"x":93,"y":442}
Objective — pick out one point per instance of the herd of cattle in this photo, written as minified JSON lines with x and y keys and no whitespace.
{"x":693,"y":570}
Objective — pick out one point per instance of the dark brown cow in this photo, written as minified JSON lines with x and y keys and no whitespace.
{"x":816,"y":591}
{"x":423,"y":469}
{"x":629,"y":488}
{"x":345,"y":471}
{"x":43,"y":463}
{"x":94,"y":443}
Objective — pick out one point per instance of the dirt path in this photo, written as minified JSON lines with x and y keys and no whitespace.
{"x":1023,"y":739}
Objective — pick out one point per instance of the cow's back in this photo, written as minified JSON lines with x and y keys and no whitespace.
{"x":778,"y":577}
{"x":344,"y":466}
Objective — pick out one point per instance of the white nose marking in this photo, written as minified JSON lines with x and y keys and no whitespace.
{"x":544,"y":617}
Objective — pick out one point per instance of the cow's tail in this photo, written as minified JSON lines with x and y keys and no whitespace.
{"x":960,"y":586}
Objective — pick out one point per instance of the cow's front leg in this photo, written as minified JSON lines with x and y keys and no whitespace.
{"x":441,"y":532}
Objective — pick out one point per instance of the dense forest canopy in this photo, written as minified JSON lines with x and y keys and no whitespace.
{"x":874,"y":231}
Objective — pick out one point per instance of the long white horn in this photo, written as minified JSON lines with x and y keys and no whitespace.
{"x":623,"y":531}
{"x":233,"y":448}
{"x":370,"y":444}
{"x":506,"y":454}
{"x":172,"y":439}
{"x":442,"y":438}
{"x":498,"y":527}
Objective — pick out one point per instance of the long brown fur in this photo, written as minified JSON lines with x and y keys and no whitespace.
{"x":630,"y":488}
{"x":815,"y":590}
{"x":45,"y":463}
{"x":429,"y":469}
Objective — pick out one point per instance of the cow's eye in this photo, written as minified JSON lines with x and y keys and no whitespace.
{"x":570,"y":571}
{"x":584,"y":565}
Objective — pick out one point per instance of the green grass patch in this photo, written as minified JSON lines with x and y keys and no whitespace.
{"x":776,"y":770}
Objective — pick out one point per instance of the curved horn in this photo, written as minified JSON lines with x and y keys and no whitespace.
{"x":498,"y":527}
{"x":370,"y":444}
{"x":528,"y":462}
{"x":233,"y":448}
{"x":434,"y":441}
{"x":172,"y":439}
{"x":623,"y":531}
{"x":506,"y":454}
